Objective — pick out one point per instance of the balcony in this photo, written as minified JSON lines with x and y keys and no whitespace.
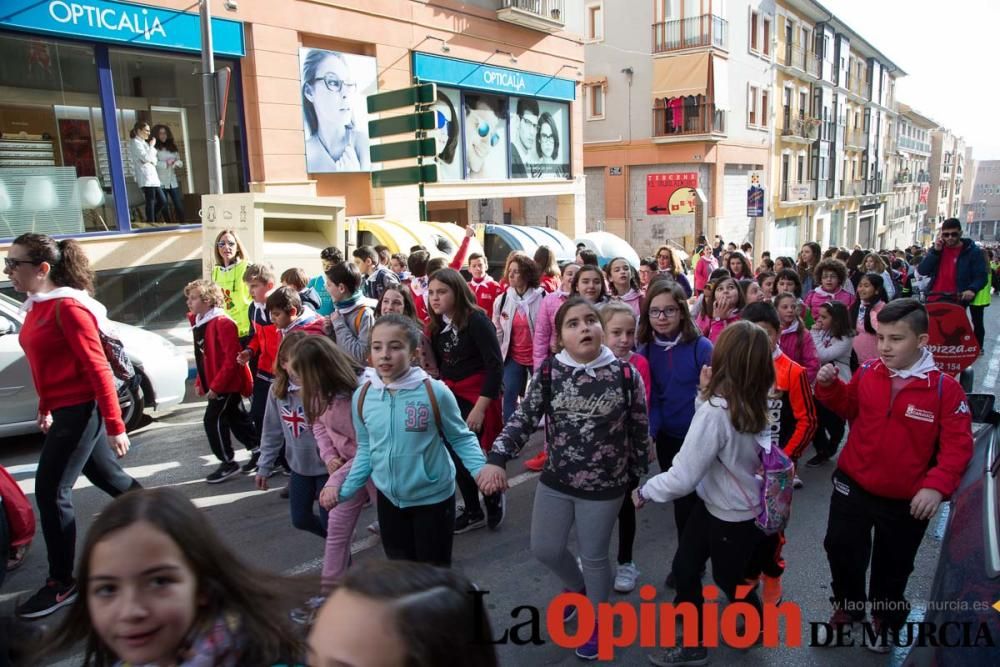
{"x":852,"y":188}
{"x":702,"y":120}
{"x":541,"y":15}
{"x":859,"y":86}
{"x":689,"y":33}
{"x":912,"y":144}
{"x":855,"y":139}
{"x":903,"y":178}
{"x":794,"y":192}
{"x":802,"y":59}
{"x":801,"y":130}
{"x":923,"y":177}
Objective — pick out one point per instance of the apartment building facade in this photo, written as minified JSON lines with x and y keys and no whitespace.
{"x":982,"y":221}
{"x":834,"y":94}
{"x":907,"y":208}
{"x":674,"y":127}
{"x":947,"y":172}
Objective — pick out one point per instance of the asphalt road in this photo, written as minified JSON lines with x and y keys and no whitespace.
{"x":172,"y":450}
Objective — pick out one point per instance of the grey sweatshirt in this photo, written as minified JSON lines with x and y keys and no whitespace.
{"x":285,"y":422}
{"x":717,"y":462}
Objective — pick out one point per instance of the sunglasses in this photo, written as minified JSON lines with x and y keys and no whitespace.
{"x":226,"y":244}
{"x":12,"y":264}
{"x":951,"y":235}
{"x":484,"y":130}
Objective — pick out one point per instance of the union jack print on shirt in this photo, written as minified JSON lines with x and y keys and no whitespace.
{"x":295,"y":420}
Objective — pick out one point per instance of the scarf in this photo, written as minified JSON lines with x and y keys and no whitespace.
{"x":823,"y":292}
{"x":419,"y":286}
{"x":485,"y":280}
{"x":523,"y":302}
{"x":95,"y":307}
{"x":447,"y":324}
{"x":792,"y":328}
{"x":305,"y":318}
{"x":208,"y":317}
{"x":412,"y":379}
{"x":666,"y":343}
{"x":220,"y":645}
{"x":293,"y":387}
{"x":349,"y":302}
{"x":924,"y":365}
{"x":590,"y":368}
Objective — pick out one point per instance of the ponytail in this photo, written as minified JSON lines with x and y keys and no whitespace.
{"x":69,"y":266}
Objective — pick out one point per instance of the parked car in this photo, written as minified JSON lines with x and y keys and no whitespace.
{"x":161,"y":368}
{"x":967,"y":580}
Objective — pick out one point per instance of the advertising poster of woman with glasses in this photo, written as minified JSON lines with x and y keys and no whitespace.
{"x":334,"y":88}
{"x":448,"y":134}
{"x":486,"y":137}
{"x":539,"y":142}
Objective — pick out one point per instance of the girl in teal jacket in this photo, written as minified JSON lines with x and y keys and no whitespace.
{"x":403,"y":419}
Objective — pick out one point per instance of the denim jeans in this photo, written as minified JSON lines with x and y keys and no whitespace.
{"x":176,"y":201}
{"x":156,"y":202}
{"x":303,"y":494}
{"x":515,"y":376}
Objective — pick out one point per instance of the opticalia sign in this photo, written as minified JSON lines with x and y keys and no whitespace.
{"x":109,"y":21}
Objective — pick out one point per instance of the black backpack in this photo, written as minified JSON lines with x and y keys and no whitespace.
{"x":546,"y":373}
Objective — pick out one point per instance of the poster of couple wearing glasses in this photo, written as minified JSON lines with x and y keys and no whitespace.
{"x":335,"y":86}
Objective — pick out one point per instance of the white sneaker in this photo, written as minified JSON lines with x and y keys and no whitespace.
{"x":374,"y":528}
{"x":797,"y":483}
{"x":625,"y":578}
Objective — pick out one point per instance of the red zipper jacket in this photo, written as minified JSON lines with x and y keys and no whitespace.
{"x":921,"y":440}
{"x":223,"y":373}
{"x":67,"y":360}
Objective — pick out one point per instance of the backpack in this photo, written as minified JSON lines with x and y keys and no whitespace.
{"x":430,"y":395}
{"x":776,"y":473}
{"x":118,"y":359}
{"x":546,"y":372}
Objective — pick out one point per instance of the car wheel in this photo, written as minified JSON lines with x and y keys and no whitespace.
{"x":132,"y":403}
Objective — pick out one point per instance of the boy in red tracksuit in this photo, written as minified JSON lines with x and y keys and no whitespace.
{"x":910,"y":441}
{"x":221,"y":379}
{"x":483,"y":286}
{"x":262,"y":349}
{"x":794,"y":420}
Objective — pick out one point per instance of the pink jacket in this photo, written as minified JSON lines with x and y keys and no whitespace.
{"x":815,"y":299}
{"x":712,"y":327}
{"x":642,"y":365}
{"x":702,"y":270}
{"x":866,"y":344}
{"x":545,"y":326}
{"x":801,"y":349}
{"x":632,"y":299}
{"x":335,"y":438}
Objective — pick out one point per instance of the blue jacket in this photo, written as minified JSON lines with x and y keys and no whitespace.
{"x":400,"y":448}
{"x":675,"y":374}
{"x":970,"y":272}
{"x":325,"y":300}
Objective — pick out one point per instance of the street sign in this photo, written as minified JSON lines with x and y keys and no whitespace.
{"x":755,"y":196}
{"x":413,"y":175}
{"x":671,"y":194}
{"x":404,"y":97}
{"x":385,"y":127}
{"x":402,"y":150}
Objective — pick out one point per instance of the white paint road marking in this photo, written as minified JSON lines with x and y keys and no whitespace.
{"x":993,"y":371}
{"x":139,"y":472}
{"x":368,"y":542}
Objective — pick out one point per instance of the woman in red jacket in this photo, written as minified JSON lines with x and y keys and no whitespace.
{"x":77,"y":401}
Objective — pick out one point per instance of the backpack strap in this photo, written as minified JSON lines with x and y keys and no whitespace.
{"x":546,"y":372}
{"x":434,"y":405}
{"x":627,"y":393}
{"x":357,"y":320}
{"x":361,"y":400}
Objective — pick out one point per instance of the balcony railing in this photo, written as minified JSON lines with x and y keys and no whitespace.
{"x":855,"y":138}
{"x":804,"y":191}
{"x":852,"y":188}
{"x":544,"y":15}
{"x":691,"y":32}
{"x":801,"y":130}
{"x":913,"y":144}
{"x":687,"y":120}
{"x":858,"y":85}
{"x":803,"y":59}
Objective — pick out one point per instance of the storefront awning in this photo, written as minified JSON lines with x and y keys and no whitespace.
{"x":682,"y":75}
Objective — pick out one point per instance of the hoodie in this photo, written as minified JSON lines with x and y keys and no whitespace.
{"x":335,"y":438}
{"x":632,"y":299}
{"x":399,"y":445}
{"x":675,"y":368}
{"x":216,"y":346}
{"x":285,"y":423}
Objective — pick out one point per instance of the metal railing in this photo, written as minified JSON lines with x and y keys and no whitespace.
{"x":913,"y":144}
{"x":852,"y":188}
{"x":855,"y":138}
{"x":858,"y":85}
{"x":802,"y":128}
{"x":691,"y":32}
{"x":803,"y":59}
{"x":548,"y":9}
{"x":694,"y":119}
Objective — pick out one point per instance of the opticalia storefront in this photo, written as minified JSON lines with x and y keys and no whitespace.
{"x":505,"y":141}
{"x":76,"y":76}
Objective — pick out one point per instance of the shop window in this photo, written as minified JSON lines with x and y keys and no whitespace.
{"x":164,"y":91}
{"x":54,"y":175}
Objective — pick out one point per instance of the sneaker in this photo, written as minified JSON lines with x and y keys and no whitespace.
{"x":817,"y":461}
{"x":251,"y":465}
{"x":374,"y":528}
{"x":826,"y":633}
{"x":537,"y":462}
{"x":625,"y":577}
{"x":17,"y":557}
{"x":284,"y":492}
{"x":52,"y":597}
{"x":797,"y":483}
{"x":680,"y":655}
{"x":496,"y":508}
{"x":467,"y":521}
{"x":589,"y":650}
{"x":223,"y":472}
{"x":884,"y":638}
{"x":569,"y":611}
{"x":280,"y":469}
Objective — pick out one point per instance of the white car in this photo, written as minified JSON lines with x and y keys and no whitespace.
{"x":162,"y":369}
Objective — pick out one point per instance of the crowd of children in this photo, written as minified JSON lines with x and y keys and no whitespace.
{"x":398,"y":381}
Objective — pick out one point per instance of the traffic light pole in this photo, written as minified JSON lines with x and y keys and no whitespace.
{"x":210,"y":103}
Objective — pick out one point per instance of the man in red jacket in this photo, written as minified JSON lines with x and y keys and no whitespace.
{"x":221,"y":379}
{"x":909,"y":444}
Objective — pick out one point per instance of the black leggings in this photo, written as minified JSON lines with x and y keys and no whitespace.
{"x":626,"y":526}
{"x":830,"y":432}
{"x":75,"y":444}
{"x":666,"y":449}
{"x":977,"y":313}
{"x":156,"y":202}
{"x":422,"y":533}
{"x":223,"y":415}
